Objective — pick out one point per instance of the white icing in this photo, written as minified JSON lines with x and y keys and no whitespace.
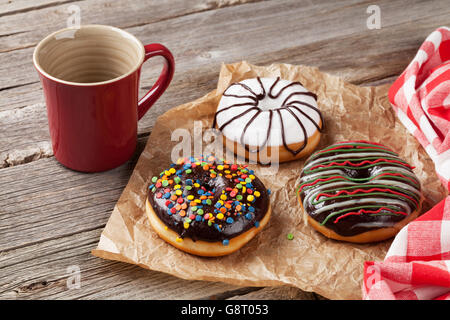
{"x":396,"y":183}
{"x":396,"y":169}
{"x":340,"y":183}
{"x":321,"y":173}
{"x":357,"y":202}
{"x":256,"y":133}
{"x":350,"y":156}
{"x":378,"y":180}
{"x":330,"y":186}
{"x":323,"y":187}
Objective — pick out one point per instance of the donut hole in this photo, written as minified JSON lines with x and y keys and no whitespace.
{"x":359,"y":173}
{"x":214,"y":185}
{"x":266,"y":103}
{"x":210,"y":184}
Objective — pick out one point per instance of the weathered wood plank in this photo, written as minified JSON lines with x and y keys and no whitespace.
{"x":206,"y":36}
{"x":46,"y":16}
{"x":40,"y":271}
{"x":26,"y":136}
{"x":30,"y":120}
{"x":365,"y":57}
{"x":21,"y":96}
{"x":16,"y":31}
{"x":43,"y":200}
{"x":52,"y":224}
{"x":276,"y":293}
{"x":59,"y":213}
{"x":12,"y":7}
{"x":182,"y":34}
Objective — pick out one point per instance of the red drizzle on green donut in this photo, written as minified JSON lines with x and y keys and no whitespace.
{"x":361,"y":163}
{"x":364,"y":191}
{"x":358,"y":178}
{"x":367,"y":211}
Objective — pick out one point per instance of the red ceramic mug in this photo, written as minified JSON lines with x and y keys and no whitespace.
{"x":90,"y":77}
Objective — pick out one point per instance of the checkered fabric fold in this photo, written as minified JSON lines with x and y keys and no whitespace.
{"x":417,"y":265}
{"x":421,"y":99}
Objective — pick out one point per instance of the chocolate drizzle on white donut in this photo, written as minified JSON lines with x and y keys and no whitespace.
{"x":286,"y":105}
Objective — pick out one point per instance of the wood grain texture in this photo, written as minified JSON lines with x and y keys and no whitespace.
{"x":51,"y":217}
{"x":342,"y":51}
{"x":60,"y":227}
{"x":51,"y":201}
{"x":47,"y":16}
{"x":276,"y":293}
{"x":273,"y":26}
{"x":40,"y":271}
{"x":10,"y":7}
{"x":60,"y":214}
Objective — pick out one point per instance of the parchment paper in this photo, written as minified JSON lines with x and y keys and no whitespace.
{"x":310,"y":261}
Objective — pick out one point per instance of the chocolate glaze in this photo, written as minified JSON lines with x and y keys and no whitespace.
{"x":356,"y":224}
{"x":284,"y":106}
{"x":199,"y":230}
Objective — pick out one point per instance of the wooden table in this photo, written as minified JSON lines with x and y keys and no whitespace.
{"x":51,"y":217}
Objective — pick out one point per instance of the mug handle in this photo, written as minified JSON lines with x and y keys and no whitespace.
{"x":151,"y":50}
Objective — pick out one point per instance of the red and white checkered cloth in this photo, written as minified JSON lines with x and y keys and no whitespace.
{"x":417,"y":265}
{"x":421,"y":99}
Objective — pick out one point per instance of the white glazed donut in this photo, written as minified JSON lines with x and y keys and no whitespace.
{"x":269,"y":118}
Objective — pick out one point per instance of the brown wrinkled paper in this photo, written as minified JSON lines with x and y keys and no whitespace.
{"x":310,"y":261}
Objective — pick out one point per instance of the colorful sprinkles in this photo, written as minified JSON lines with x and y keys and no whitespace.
{"x":191,"y":200}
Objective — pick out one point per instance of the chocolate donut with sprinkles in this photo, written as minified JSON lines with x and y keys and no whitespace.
{"x":207,"y":206}
{"x":359,"y":191}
